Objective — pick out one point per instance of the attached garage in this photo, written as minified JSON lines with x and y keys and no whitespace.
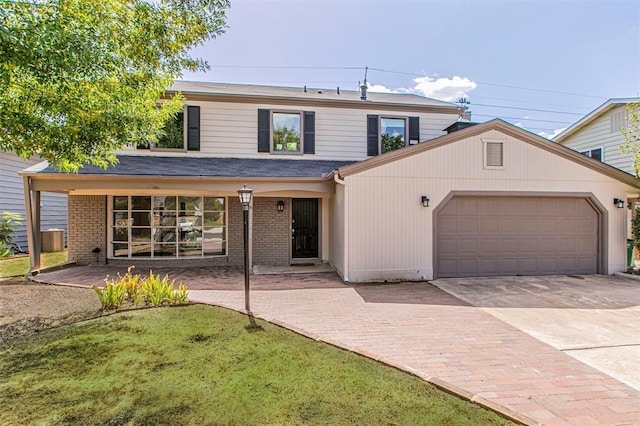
{"x":488,"y":200}
{"x":516,"y":235}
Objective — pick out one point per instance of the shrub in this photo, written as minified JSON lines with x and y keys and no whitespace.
{"x":8,"y":223}
{"x":151,"y":290}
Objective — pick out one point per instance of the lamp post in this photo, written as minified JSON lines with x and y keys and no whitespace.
{"x":245,"y":194}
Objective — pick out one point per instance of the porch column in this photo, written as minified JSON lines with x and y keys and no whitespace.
{"x":32,"y":219}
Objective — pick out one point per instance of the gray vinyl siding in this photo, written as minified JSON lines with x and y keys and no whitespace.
{"x":54,"y":206}
{"x":598,"y":134}
{"x":231,"y":130}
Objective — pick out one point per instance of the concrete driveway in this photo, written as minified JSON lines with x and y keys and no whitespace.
{"x":593,"y":318}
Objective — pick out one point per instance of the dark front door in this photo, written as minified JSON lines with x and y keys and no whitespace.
{"x":304,"y":227}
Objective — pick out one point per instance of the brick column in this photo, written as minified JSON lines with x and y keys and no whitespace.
{"x":87,"y":216}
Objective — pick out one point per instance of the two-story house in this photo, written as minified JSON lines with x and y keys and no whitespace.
{"x":368,"y":183}
{"x":599,"y":134}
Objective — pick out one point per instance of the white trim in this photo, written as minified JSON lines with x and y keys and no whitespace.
{"x":485,"y":143}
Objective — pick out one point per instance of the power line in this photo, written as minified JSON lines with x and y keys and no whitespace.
{"x":521,"y":119}
{"x":524,"y":102}
{"x":528,"y":109}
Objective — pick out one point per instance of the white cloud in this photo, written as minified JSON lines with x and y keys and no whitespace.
{"x":519,"y":124}
{"x":553,"y":134}
{"x":443,"y":88}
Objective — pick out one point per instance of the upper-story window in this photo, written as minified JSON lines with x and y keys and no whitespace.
{"x":178,"y":134}
{"x":286,"y":136}
{"x":286,"y":132}
{"x":593,"y":153}
{"x":392,"y":134}
{"x":388,"y":133}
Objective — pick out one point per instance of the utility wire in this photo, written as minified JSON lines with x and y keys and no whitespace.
{"x":520,"y":119}
{"x":527,"y":109}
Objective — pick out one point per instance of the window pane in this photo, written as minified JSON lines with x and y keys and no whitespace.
{"x":190,"y":203}
{"x":163,"y":250}
{"x":213,"y":241}
{"x":164,"y":219}
{"x":286,"y":132}
{"x":164,"y":203}
{"x":141,"y":250}
{"x":140,"y":203}
{"x":140,"y":219}
{"x":120,"y":203}
{"x":597,"y":154}
{"x":392,"y":134}
{"x":120,"y":219}
{"x":213,"y":218}
{"x":121,"y":250}
{"x":164,"y":235}
{"x":190,"y":249}
{"x":120,"y":234}
{"x":173,"y":137}
{"x":193,"y":234}
{"x":140,"y":234}
{"x":213,"y":203}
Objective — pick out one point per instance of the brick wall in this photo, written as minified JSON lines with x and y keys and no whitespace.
{"x":271,"y":232}
{"x":235,"y":242}
{"x":87,"y":228}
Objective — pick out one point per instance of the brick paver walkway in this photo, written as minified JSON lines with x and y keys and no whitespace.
{"x":423,"y":330}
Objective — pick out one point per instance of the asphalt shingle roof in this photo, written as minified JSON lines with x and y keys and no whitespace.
{"x":130,"y":165}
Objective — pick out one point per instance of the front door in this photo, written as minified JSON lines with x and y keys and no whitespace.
{"x":304,"y":228}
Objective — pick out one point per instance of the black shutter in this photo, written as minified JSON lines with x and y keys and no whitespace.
{"x":309,"y":132}
{"x":414,"y":130}
{"x":373,"y":135}
{"x":264,"y":130}
{"x":193,"y":128}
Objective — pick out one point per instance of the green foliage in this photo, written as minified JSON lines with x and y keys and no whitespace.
{"x":15,"y":266}
{"x":631,"y":134}
{"x":80,"y":79}
{"x":285,"y":139}
{"x":152,"y":290}
{"x":8,"y":223}
{"x":635,"y":228}
{"x":391,"y":143}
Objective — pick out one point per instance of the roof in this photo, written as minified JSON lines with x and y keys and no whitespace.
{"x":138,"y":165}
{"x":346,"y":98}
{"x":598,"y":112}
{"x":503,"y":127}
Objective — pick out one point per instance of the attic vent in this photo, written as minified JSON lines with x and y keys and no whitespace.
{"x":617,"y":121}
{"x":494,"y":154}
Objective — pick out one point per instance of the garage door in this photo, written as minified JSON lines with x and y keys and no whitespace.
{"x":501,"y":236}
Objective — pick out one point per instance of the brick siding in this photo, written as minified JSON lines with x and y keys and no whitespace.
{"x":87,"y":228}
{"x":271,"y":232}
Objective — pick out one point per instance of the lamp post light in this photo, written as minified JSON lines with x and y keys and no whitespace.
{"x":245,"y":194}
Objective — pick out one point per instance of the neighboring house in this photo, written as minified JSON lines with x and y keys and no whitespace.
{"x":490,"y":199}
{"x":53,"y":206}
{"x":599,"y":134}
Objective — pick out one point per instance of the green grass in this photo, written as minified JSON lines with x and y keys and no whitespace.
{"x":204,"y":365}
{"x":14,"y":266}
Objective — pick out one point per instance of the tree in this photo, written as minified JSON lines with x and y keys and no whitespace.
{"x":80,"y":79}
{"x":391,"y":143}
{"x":631,"y":134}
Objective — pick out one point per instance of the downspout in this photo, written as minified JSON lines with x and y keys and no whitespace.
{"x":345,"y":246}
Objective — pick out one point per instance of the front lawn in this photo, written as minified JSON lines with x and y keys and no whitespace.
{"x":14,"y":266}
{"x":204,"y":365}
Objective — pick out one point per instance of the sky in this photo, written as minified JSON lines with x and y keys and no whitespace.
{"x":539,"y":64}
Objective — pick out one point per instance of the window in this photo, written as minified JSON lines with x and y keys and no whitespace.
{"x":493,"y":154}
{"x":178,"y":135}
{"x":167,"y":226}
{"x":392,"y":134}
{"x":173,"y":137}
{"x":593,"y":153}
{"x":286,"y":135}
{"x":386,"y":134}
{"x":286,"y":132}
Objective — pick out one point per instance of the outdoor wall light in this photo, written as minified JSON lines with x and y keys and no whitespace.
{"x":425,"y":201}
{"x":618,"y":202}
{"x":280,"y":206}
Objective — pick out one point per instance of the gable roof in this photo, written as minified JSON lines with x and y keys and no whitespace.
{"x":139,"y":165}
{"x":598,"y":112}
{"x":503,"y":127}
{"x":199,"y":90}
